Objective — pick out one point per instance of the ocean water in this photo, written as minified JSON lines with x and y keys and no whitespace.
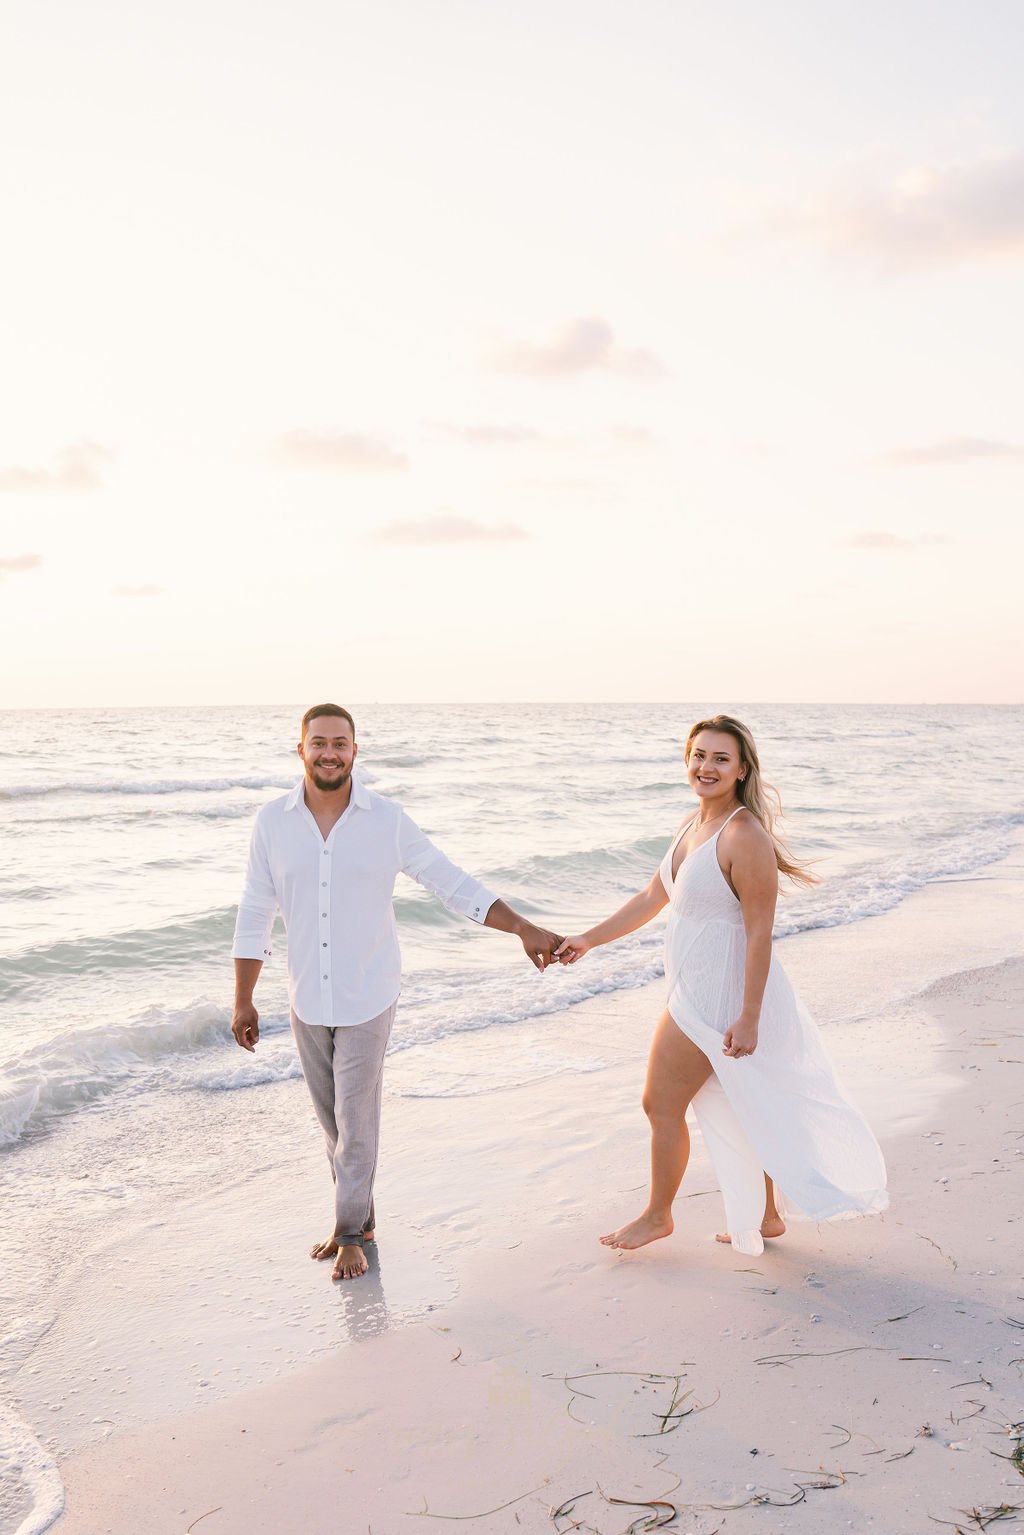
{"x":124,"y":842}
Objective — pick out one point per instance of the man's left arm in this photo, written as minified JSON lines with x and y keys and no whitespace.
{"x":466,"y":896}
{"x":537,"y":941}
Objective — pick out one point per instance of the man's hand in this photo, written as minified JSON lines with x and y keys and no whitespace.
{"x":540,"y":945}
{"x":245,"y":1025}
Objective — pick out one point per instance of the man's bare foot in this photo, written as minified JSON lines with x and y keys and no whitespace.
{"x":350,"y":1262}
{"x":639,"y":1232}
{"x":322,"y":1250}
{"x":771,"y":1226}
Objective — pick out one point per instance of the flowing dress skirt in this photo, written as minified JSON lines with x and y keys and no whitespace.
{"x":781,"y":1109}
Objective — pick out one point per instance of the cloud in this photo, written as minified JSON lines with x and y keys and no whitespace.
{"x":928,"y":216}
{"x":954,"y":450}
{"x":894,"y":542}
{"x":446,"y":528}
{"x":76,"y":467}
{"x":146,"y":590}
{"x":579,"y":346}
{"x":600,"y":485}
{"x":11,"y":563}
{"x":489,"y":435}
{"x":632,"y":436}
{"x":339,"y":450}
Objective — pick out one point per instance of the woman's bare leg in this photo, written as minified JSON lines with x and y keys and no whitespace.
{"x":676,"y":1070}
{"x":772,"y":1225}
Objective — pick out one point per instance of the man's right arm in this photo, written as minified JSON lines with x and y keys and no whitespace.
{"x":245,"y":1020}
{"x":252,"y":945}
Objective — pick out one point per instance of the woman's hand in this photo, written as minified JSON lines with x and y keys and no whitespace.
{"x":741,"y":1039}
{"x":572,"y":949}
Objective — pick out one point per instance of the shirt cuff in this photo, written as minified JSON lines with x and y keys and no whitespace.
{"x":251,"y":948}
{"x":252,"y":937}
{"x":473,"y":902}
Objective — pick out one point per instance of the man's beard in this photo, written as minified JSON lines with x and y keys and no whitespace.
{"x":329,"y":785}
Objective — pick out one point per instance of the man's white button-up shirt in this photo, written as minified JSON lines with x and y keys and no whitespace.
{"x":335,"y":896}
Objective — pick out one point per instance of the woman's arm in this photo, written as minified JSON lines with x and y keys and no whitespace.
{"x":638,"y":909}
{"x":754,"y":875}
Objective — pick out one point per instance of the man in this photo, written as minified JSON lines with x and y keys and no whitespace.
{"x":327,"y":855}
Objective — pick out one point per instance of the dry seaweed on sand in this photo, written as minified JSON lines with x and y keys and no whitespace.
{"x":902,"y":1316}
{"x":668,"y":1421}
{"x":832,"y":1353}
{"x":427,"y":1513}
{"x":566,"y":1508}
{"x":209,"y":1511}
{"x":924,"y":1238}
{"x":824,"y":1481}
{"x":661,"y":1513}
{"x":981,"y":1518}
{"x":768,"y":1499}
{"x":1016,"y":1455}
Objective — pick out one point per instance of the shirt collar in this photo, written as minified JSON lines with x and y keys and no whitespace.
{"x":360,"y":795}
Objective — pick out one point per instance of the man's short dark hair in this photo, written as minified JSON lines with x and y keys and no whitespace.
{"x":334,"y":711}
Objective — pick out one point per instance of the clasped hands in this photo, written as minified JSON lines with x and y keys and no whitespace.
{"x":545,"y":948}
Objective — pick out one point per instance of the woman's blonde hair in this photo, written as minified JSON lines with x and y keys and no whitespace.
{"x":760,"y":798}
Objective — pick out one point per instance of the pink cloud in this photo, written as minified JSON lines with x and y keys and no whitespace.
{"x":895,"y":542}
{"x":76,"y":468}
{"x":12,"y":564}
{"x":579,"y":346}
{"x":928,"y":216}
{"x":955,"y":450}
{"x":446,"y":528}
{"x":347,"y":451}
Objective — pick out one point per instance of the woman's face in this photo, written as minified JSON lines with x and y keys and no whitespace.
{"x":713,"y":766}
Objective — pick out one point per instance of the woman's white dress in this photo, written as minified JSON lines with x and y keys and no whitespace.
{"x":780,"y":1109}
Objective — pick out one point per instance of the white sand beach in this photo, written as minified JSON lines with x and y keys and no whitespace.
{"x":499,"y":1367}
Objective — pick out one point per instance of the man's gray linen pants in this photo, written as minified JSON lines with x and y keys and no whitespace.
{"x":344,"y":1071}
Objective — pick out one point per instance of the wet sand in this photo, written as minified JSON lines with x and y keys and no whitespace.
{"x":855,"y":1370}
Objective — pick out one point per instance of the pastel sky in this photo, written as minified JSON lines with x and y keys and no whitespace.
{"x":515,"y":349}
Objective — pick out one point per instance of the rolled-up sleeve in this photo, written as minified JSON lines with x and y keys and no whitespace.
{"x":428,"y":866}
{"x":258,"y":906}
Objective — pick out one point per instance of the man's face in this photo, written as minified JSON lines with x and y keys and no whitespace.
{"x":328,"y":751}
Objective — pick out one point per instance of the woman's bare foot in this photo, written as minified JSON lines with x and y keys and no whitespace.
{"x":350,"y":1262}
{"x":771,"y":1226}
{"x":639,"y":1232}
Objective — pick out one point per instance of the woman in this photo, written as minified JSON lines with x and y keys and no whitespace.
{"x":734,"y":1041}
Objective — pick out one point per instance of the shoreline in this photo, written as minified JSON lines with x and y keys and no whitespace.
{"x":491,"y":1207}
{"x":881,"y":1326}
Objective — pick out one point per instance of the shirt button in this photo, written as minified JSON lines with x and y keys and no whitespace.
{"x":323,"y":914}
{"x":324,"y":885}
{"x":325,"y":946}
{"x":325,"y":977}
